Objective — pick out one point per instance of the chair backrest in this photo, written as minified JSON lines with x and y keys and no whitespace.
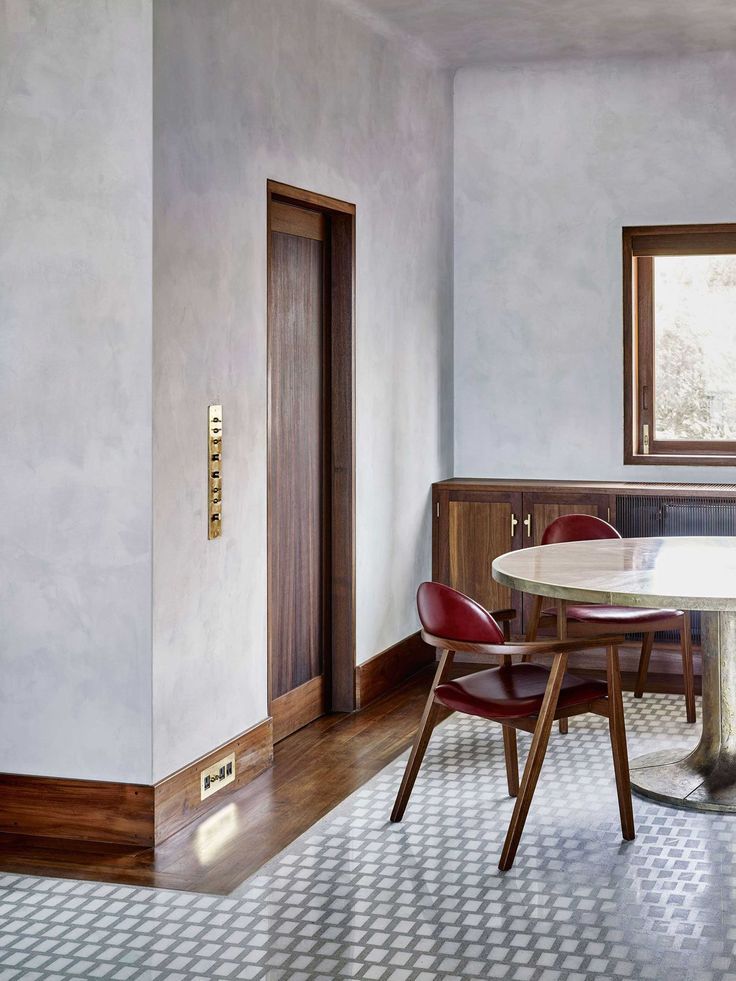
{"x":447,"y":613}
{"x":577,"y":528}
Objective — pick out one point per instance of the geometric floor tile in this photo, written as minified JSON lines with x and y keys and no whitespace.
{"x":359,"y":898}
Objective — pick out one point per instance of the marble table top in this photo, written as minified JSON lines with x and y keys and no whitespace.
{"x":697,"y":573}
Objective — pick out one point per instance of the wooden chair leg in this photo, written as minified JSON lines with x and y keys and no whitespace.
{"x":512,"y":760}
{"x":617,"y":732}
{"x":641,"y":676}
{"x":562,"y":635}
{"x":531,"y":630}
{"x":687,"y":667}
{"x":534,"y":762}
{"x":421,"y":740}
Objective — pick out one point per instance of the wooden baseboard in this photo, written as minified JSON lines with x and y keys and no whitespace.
{"x":388,"y":669}
{"x":177,"y":797}
{"x":665,"y":684}
{"x":84,"y":810}
{"x":665,"y":667}
{"x":665,"y":659}
{"x":122,"y":813}
{"x":297,"y":707}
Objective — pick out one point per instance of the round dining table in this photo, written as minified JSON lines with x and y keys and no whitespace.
{"x":689,"y":573}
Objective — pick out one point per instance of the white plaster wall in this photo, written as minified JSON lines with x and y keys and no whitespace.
{"x":550,"y":162}
{"x":297,"y":91}
{"x":75,"y":383}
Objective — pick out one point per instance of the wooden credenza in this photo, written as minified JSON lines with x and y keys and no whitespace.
{"x":475,"y":520}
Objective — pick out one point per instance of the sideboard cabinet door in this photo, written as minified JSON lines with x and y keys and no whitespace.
{"x":542,"y":507}
{"x":471,"y":530}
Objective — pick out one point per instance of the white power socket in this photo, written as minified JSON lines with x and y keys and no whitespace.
{"x":215,"y":777}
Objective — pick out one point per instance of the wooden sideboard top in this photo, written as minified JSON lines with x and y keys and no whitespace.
{"x":600,"y":486}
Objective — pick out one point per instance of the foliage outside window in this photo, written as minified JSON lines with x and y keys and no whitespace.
{"x":680,"y":344}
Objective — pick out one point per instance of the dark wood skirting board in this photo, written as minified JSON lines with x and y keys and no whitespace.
{"x":663,"y":684}
{"x":305,"y":702}
{"x":391,"y":667}
{"x":177,"y":798}
{"x":313,"y":771}
{"x":665,"y":663}
{"x":123,"y":813}
{"x":142,"y":815}
{"x":85,"y":810}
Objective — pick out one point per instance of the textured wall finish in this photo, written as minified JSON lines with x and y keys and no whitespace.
{"x":75,"y":381}
{"x":464,"y":32}
{"x":550,"y":163}
{"x":301,"y":92}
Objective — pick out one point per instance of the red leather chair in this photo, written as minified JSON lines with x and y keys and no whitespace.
{"x":518,"y":696}
{"x":589,"y":619}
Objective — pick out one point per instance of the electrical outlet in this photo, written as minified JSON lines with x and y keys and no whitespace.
{"x":215,"y":777}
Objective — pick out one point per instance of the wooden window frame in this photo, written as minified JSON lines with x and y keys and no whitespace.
{"x":640,"y":246}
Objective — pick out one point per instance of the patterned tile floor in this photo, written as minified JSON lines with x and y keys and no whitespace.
{"x":357,"y":898}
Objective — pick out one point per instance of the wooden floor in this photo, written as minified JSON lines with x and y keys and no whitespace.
{"x":313,"y":771}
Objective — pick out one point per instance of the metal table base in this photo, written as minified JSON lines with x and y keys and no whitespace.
{"x":703,"y":778}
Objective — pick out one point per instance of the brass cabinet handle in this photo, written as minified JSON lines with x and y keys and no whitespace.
{"x":528,"y":525}
{"x":514,"y":523}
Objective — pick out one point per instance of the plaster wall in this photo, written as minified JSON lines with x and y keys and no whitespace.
{"x":301,"y":92}
{"x":550,"y":162}
{"x":75,"y":382}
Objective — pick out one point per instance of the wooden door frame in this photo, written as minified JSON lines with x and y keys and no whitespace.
{"x":341,"y":252}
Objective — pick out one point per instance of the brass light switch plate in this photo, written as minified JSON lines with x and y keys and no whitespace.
{"x":214,"y":475}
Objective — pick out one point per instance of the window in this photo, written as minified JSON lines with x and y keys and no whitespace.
{"x":680,"y":344}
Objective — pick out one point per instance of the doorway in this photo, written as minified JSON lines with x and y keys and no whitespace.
{"x":311,"y":485}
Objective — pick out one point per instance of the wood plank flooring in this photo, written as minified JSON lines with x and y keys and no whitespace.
{"x":313,"y":771}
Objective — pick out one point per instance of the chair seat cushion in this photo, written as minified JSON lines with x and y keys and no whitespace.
{"x":513,"y":691}
{"x":624,"y":615}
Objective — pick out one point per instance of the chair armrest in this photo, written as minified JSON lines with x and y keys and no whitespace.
{"x":530,"y":647}
{"x":463,"y":646}
{"x":569,"y":646}
{"x":501,"y":615}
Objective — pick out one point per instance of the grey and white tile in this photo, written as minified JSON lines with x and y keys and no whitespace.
{"x":358,"y":898}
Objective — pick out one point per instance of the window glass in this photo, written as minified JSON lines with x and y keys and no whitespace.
{"x":695,"y":347}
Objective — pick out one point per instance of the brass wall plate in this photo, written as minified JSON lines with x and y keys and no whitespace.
{"x":214,"y":472}
{"x":215,"y":777}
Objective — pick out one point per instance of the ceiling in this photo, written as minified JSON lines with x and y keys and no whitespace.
{"x":466,"y":32}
